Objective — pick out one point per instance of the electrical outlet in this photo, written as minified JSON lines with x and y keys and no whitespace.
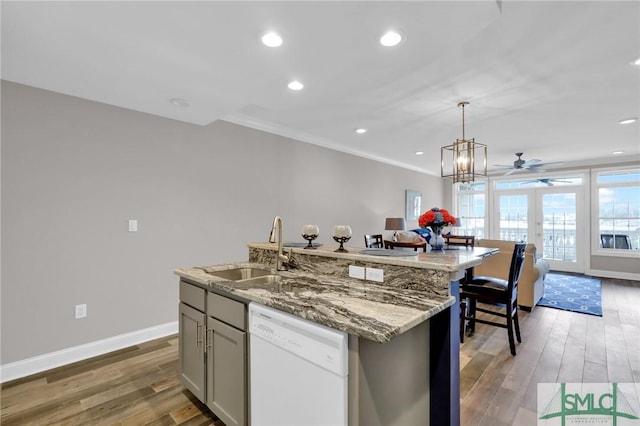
{"x":374,"y":274}
{"x":81,"y":311}
{"x":356,"y":272}
{"x":133,"y":225}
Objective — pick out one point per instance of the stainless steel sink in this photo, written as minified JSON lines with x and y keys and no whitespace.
{"x":266,"y":279}
{"x":238,"y":274}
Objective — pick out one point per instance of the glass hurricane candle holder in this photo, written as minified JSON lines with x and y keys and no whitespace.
{"x":342,"y":234}
{"x":310,"y":233}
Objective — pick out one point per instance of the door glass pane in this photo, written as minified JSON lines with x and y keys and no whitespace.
{"x":513,"y":217}
{"x":559,"y":226}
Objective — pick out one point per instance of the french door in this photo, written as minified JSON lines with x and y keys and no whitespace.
{"x":553,"y":218}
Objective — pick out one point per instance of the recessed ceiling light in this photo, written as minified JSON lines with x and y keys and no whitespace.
{"x":628,"y":120}
{"x":617,"y":152}
{"x":637,"y":62}
{"x":390,"y":38}
{"x":361,"y":130}
{"x":271,"y":39}
{"x":179,"y":102}
{"x":419,"y":152}
{"x":295,"y":85}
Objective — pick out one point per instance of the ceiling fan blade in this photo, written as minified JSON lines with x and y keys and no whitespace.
{"x":548,"y":182}
{"x":510,"y":172}
{"x":536,"y":169}
{"x":531,"y":162}
{"x":557,"y":163}
{"x":502,"y":165}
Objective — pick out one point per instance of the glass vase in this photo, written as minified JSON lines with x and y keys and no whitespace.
{"x":437,"y":241}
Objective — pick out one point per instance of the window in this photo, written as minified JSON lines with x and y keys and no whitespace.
{"x":514,"y":220}
{"x":471,"y":208}
{"x":539,"y":183}
{"x":618,"y":214}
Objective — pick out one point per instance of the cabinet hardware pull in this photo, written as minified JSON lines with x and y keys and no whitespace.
{"x":198,"y":334}
{"x":210,"y":338}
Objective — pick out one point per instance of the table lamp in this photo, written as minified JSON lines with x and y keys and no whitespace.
{"x":456,"y":225}
{"x":395,"y":224}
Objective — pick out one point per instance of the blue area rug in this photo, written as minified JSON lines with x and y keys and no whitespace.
{"x":575,"y":293}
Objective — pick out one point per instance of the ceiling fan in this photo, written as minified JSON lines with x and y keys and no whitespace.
{"x":532,"y":165}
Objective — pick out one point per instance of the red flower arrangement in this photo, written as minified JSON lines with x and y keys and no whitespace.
{"x":436,"y":218}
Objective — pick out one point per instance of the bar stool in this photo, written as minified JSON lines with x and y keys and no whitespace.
{"x":494,"y":291}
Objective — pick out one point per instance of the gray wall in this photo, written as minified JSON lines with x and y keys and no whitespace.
{"x":74,"y":172}
{"x":615,"y":264}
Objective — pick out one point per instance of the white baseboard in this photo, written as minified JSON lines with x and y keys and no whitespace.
{"x":26,"y":367}
{"x":614,"y":274}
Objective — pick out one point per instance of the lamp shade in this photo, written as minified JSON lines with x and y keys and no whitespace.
{"x":395,"y":224}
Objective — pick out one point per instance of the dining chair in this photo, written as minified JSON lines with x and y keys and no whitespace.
{"x":460,"y":240}
{"x":373,"y":241}
{"x":498,"y":293}
{"x":415,"y":246}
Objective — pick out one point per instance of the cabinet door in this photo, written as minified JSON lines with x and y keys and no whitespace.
{"x":192,"y":350}
{"x":226,"y":377}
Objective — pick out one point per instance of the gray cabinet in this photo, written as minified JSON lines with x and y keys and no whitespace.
{"x":227,"y":359}
{"x":191,"y":352}
{"x":227,"y":368}
{"x":213,"y":352}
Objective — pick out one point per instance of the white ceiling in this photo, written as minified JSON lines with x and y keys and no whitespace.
{"x":551,"y":79}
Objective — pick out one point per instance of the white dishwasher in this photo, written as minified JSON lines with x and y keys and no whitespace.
{"x":298,"y":372}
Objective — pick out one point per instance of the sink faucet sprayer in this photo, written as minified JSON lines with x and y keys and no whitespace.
{"x":282,"y":261}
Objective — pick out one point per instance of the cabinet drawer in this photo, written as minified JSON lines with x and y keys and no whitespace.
{"x":192,"y":295}
{"x":227,"y":310}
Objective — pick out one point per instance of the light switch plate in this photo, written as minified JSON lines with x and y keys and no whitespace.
{"x":374,"y":274}
{"x":81,"y":311}
{"x":356,"y":272}
{"x":133,"y":225}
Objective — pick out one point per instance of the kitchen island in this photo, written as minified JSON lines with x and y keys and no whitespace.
{"x":403,"y":339}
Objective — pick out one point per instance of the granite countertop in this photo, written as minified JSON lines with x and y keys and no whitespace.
{"x":453,"y":260}
{"x":361,"y":308}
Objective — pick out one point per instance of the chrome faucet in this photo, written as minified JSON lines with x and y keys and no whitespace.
{"x":282,"y":261}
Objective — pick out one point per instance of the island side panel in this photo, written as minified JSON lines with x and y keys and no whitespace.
{"x":389,"y":383}
{"x":445,"y":363}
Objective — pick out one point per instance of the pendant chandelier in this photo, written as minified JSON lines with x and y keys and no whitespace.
{"x":463,"y":156}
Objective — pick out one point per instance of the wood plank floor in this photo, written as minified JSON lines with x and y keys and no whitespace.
{"x":557,"y":346}
{"x":134,"y":386}
{"x":139,"y":385}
